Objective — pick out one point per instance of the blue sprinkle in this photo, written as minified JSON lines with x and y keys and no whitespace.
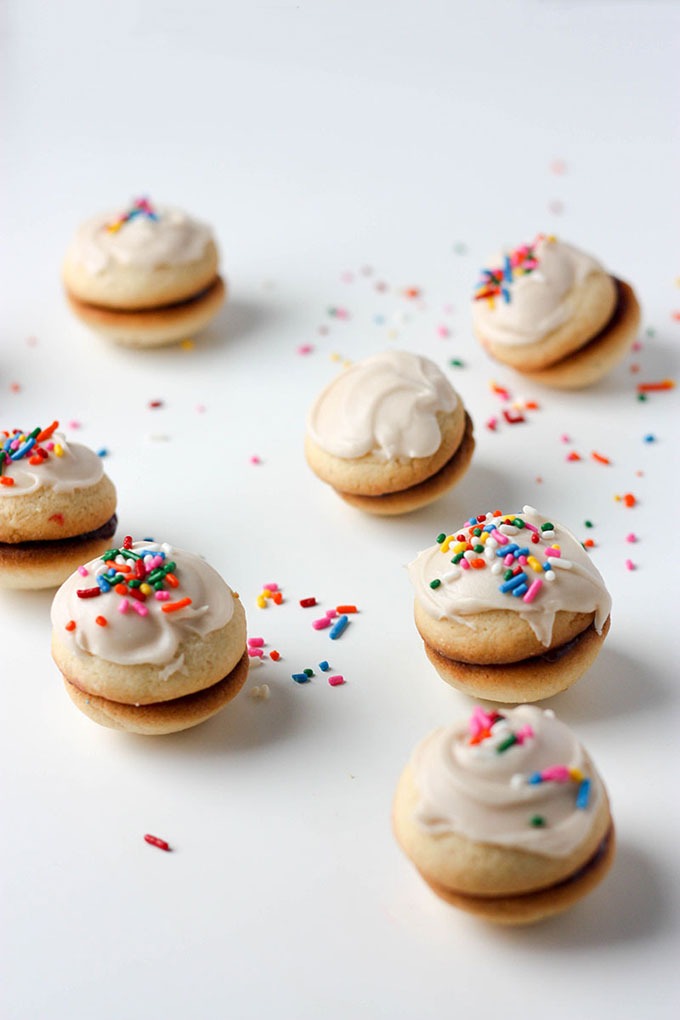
{"x":583,"y":795}
{"x":650,"y":438}
{"x":534,"y":778}
{"x":521,"y":589}
{"x":324,"y":667}
{"x":508,"y":270}
{"x":300,"y":678}
{"x":338,"y":627}
{"x":379,"y":319}
{"x":505,"y":549}
{"x":514,"y":582}
{"x":521,"y":552}
{"x":23,"y":450}
{"x":547,"y":566}
{"x":103,"y":452}
{"x":103,"y":583}
{"x":506,"y":295}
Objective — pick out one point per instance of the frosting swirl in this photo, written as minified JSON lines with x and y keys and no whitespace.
{"x":530,"y":295}
{"x":161,"y":237}
{"x":516,"y":778}
{"x":532,"y":567}
{"x":178,"y":595}
{"x":386,"y":405}
{"x":49,"y":463}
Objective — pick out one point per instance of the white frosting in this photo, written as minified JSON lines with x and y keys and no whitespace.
{"x":479,"y":792}
{"x":576,"y":584}
{"x":386,"y":405}
{"x":539,"y":301}
{"x":77,"y":467}
{"x":129,"y":638}
{"x":175,"y":238}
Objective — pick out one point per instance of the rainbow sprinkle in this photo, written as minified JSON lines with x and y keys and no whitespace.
{"x":19,"y":444}
{"x":486,"y":542}
{"x":494,"y":282}
{"x":140,"y":207}
{"x":136,"y":577}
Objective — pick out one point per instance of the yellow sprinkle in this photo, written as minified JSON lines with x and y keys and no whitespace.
{"x":113,"y":228}
{"x":491,"y":303}
{"x":266,"y":593}
{"x":534,"y":564}
{"x":58,"y":450}
{"x":459,"y":547}
{"x":187,"y":345}
{"x":262,"y":602}
{"x":483,"y":538}
{"x":576,"y":775}
{"x":551,"y":239}
{"x":392,"y":334}
{"x":146,"y":589}
{"x":446,"y":543}
{"x":335,"y":357}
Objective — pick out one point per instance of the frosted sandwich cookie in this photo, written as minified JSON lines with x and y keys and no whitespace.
{"x":509,"y":606}
{"x":57,"y":507}
{"x":505,"y":816}
{"x":149,"y":638}
{"x":390,"y":434}
{"x":554,"y":314}
{"x":144,"y":277}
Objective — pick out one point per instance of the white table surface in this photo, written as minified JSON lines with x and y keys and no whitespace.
{"x":333,"y":147}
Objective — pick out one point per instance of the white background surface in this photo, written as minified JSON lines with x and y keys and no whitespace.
{"x":320,"y":139}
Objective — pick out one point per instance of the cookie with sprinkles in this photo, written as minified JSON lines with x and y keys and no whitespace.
{"x":509,"y":606}
{"x":149,"y":639}
{"x":505,"y":815}
{"x":554,"y":313}
{"x":57,"y":506}
{"x":144,"y":276}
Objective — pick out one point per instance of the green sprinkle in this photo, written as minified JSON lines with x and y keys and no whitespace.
{"x":547,"y":526}
{"x":168,"y":567}
{"x":35,"y":433}
{"x":505,"y":744}
{"x":128,"y":554}
{"x":135,"y":583}
{"x":456,"y":363}
{"x":457,"y":558}
{"x":538,"y":821}
{"x":650,"y":331}
{"x":159,"y":586}
{"x":476,"y":532}
{"x":308,"y":672}
{"x":642,"y":396}
{"x":588,"y":524}
{"x":478,"y":548}
{"x":507,"y":575}
{"x":440,"y":538}
{"x":435,"y":583}
{"x":518,"y":523}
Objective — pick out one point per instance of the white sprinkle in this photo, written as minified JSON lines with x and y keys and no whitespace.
{"x":508,"y":529}
{"x":562,"y":564}
{"x":260,"y":693}
{"x":451,"y":575}
{"x":497,"y":567}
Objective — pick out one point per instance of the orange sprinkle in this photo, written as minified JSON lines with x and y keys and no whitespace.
{"x":651,"y":387}
{"x":172,"y":607}
{"x":589,"y":543}
{"x":121,"y":589}
{"x":172,"y":580}
{"x":411,"y":292}
{"x":531,"y":405}
{"x":573,"y":455}
{"x":477,"y":564}
{"x":46,"y":433}
{"x":346,"y":609}
{"x":600,"y":458}
{"x":274,"y":655}
{"x":278,"y":597}
{"x":6,"y":480}
{"x":71,"y":625}
{"x":101,"y":620}
{"x":35,"y":460}
{"x":629,"y":499}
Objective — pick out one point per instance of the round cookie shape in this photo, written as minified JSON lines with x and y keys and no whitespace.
{"x":147,"y":630}
{"x":551,"y":311}
{"x":505,"y":815}
{"x":509,"y":606}
{"x":144,"y":277}
{"x":56,"y":505}
{"x":390,"y":433}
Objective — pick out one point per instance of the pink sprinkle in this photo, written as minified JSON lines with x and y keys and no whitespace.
{"x":630,"y":565}
{"x":322,"y":623}
{"x":631,"y":537}
{"x":500,"y":537}
{"x":533,"y":591}
{"x":530,"y":527}
{"x":509,"y":560}
{"x":255,"y":459}
{"x":271,"y":587}
{"x":162,"y":596}
{"x":123,"y":605}
{"x":256,"y":642}
{"x":83,"y":571}
{"x":464,"y":564}
{"x":491,"y":424}
{"x":139,"y":608}
{"x":556,"y":774}
{"x":552,"y":551}
{"x":200,"y":408}
{"x":443,"y":332}
{"x":564,"y":438}
{"x":305,"y":349}
{"x":331,"y":614}
{"x":50,"y":445}
{"x":252,"y":652}
{"x":336,"y":680}
{"x":74,"y":425}
{"x":637,"y":346}
{"x":526,"y":733}
{"x":341,"y":313}
{"x":523,"y":561}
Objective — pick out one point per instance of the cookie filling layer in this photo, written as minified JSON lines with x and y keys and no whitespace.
{"x":104,"y":531}
{"x":153,"y":309}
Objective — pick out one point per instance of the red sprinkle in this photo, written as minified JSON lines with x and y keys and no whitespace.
{"x":127,"y":542}
{"x":155,"y":841}
{"x":155,"y":403}
{"x":274,"y":655}
{"x":277,"y":597}
{"x":305,"y":603}
{"x":59,"y":518}
{"x":6,"y":480}
{"x":589,"y":543}
{"x":71,"y":625}
{"x":513,"y":417}
{"x":88,"y":593}
{"x":101,"y":620}
{"x":573,"y":456}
